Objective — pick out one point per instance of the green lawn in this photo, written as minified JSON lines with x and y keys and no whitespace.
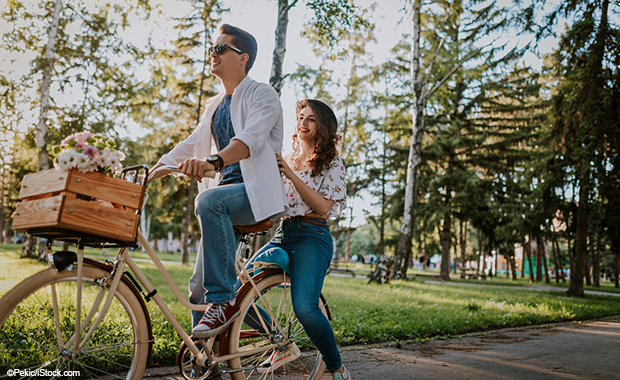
{"x":372,"y":313}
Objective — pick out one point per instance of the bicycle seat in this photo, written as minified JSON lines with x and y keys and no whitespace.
{"x":254,"y":228}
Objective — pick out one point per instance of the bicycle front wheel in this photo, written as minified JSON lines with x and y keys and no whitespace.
{"x":249,"y":333}
{"x":36,"y":335}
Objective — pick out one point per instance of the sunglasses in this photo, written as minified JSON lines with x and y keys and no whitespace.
{"x":219,"y":49}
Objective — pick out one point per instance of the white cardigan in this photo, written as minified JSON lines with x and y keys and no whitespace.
{"x":256,"y":115}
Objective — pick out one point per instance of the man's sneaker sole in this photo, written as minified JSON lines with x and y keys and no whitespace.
{"x":217,"y":330}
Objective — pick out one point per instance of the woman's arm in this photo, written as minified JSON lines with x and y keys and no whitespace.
{"x":313,"y":199}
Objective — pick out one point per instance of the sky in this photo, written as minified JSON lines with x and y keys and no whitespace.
{"x":259,"y":18}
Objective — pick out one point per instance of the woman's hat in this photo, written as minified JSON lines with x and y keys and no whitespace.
{"x":326,"y":102}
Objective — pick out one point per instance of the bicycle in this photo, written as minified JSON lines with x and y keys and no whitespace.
{"x":91,"y":316}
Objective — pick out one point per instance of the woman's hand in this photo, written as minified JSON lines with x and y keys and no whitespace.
{"x":283,"y":167}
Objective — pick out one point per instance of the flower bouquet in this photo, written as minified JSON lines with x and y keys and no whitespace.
{"x":79,"y":196}
{"x":88,"y":152}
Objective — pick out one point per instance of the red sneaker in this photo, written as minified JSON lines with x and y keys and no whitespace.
{"x":216,"y":319}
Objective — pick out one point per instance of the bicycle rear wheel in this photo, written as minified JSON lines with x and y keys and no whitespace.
{"x":35,"y":336}
{"x":245,"y":333}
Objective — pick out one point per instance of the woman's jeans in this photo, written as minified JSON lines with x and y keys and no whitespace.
{"x":310,"y":249}
{"x":217,"y":210}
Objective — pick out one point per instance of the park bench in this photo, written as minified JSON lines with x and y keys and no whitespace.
{"x":336,"y":269}
{"x":473,"y":275}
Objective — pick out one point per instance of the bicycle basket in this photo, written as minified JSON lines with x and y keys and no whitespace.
{"x":85,"y":203}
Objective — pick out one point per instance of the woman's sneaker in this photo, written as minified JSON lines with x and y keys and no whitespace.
{"x":279,"y":358}
{"x":341,"y":374}
{"x":216,"y":319}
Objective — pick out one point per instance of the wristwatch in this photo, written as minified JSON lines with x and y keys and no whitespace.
{"x":216,"y":161}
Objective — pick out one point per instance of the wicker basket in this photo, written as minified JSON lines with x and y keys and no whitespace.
{"x":72,"y":201}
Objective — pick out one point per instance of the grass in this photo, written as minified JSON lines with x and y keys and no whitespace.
{"x":371,"y":313}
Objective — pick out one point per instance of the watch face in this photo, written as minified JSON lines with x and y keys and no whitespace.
{"x":216,"y":161}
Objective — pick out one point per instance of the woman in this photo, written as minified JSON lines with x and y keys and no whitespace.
{"x":314,"y":182}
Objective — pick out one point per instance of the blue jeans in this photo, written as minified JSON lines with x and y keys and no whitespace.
{"x":310,"y":250}
{"x":217,"y":210}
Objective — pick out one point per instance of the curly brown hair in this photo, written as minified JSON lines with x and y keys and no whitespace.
{"x":327,"y":140}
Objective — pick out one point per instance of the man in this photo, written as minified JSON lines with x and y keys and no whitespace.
{"x":244,"y":123}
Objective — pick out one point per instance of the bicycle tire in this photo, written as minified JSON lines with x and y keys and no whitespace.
{"x":119,"y":347}
{"x":275,"y":293}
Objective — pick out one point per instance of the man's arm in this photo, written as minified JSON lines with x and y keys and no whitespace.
{"x":263,"y":115}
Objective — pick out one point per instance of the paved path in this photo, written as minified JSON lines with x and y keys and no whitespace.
{"x":576,"y":351}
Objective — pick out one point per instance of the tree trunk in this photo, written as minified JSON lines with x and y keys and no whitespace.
{"x":383,"y":197}
{"x":543,"y":257}
{"x":444,"y":272}
{"x":528,"y":250}
{"x":189,"y":211}
{"x":3,"y":220}
{"x":463,"y":246}
{"x":571,"y":256}
{"x":523,"y":261}
{"x":50,"y":49}
{"x":455,"y":256}
{"x":537,"y":256}
{"x":596,"y":259}
{"x":347,"y":252}
{"x":589,"y":259}
{"x":480,"y":251}
{"x":483,"y":263}
{"x":30,"y":247}
{"x":581,"y":240}
{"x":382,"y":272}
{"x":403,"y":249}
{"x":513,"y":267}
{"x":617,"y":270}
{"x":279,"y":49}
{"x":556,"y":260}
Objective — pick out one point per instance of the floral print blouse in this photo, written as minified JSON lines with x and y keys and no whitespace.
{"x":331,"y":184}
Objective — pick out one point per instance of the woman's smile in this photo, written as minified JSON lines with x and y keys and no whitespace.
{"x":306,"y":125}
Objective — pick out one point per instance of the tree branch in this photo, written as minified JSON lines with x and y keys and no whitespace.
{"x":441,"y":82}
{"x":430,"y":68}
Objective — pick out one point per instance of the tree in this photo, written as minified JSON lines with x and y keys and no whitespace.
{"x":331,"y":18}
{"x":583,"y":111}
{"x":421,"y":91}
{"x":461,"y":30}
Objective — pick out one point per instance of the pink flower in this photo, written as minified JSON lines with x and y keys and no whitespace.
{"x":90,"y":151}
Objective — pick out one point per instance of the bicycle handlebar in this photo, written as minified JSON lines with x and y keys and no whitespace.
{"x":169,"y":169}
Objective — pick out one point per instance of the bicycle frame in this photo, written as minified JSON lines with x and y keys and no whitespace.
{"x":124,"y":260}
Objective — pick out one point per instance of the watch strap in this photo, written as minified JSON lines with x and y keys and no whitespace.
{"x":216,"y":161}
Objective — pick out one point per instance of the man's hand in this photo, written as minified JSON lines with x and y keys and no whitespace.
{"x":195,"y":168}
